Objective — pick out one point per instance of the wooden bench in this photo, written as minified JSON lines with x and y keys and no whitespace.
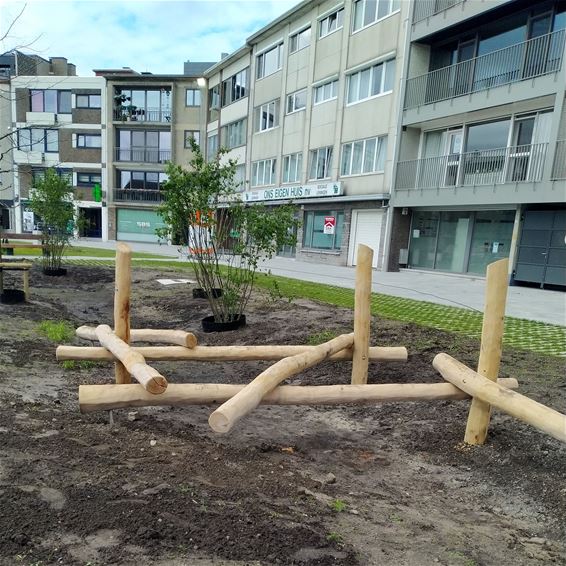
{"x":23,"y":266}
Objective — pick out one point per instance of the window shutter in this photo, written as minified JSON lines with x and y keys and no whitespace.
{"x":74,"y":140}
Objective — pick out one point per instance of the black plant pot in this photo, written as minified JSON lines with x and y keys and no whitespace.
{"x":209,"y":325}
{"x":199,"y":293}
{"x":54,"y":271}
{"x":12,"y":297}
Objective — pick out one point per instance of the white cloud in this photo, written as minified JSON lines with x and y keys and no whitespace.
{"x":147,"y":36}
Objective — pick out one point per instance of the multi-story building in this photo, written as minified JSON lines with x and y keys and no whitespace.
{"x":481,"y":170}
{"x":308,"y":107}
{"x":149,"y":121}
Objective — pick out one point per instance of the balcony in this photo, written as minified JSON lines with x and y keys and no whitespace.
{"x":132,"y":114}
{"x":527,"y":60}
{"x":559,"y":167}
{"x":426,"y":8}
{"x":517,"y":164}
{"x":143,"y":155}
{"x":139,"y":196}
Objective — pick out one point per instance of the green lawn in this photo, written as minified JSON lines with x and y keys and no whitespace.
{"x":80,"y":251}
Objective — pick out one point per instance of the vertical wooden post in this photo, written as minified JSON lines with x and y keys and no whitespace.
{"x":123,"y":284}
{"x":362,"y":315}
{"x":26,"y":283}
{"x":491,"y":346}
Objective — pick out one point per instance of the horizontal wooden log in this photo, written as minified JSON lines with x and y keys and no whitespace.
{"x":133,"y":361}
{"x":179,"y":337}
{"x":226,"y":416}
{"x":523,"y":408}
{"x":104,"y":397}
{"x":225,"y":353}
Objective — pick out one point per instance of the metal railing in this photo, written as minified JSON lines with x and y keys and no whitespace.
{"x":559,"y":166}
{"x":526,"y":60}
{"x":426,"y":8}
{"x":143,"y":155}
{"x":138,"y":195}
{"x":126,"y":114}
{"x":518,"y":164}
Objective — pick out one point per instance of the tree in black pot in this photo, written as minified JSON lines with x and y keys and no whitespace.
{"x":226,"y":239}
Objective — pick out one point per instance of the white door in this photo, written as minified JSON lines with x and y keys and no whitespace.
{"x":365,"y":229}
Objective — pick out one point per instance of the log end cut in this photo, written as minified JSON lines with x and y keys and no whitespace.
{"x":219,"y":422}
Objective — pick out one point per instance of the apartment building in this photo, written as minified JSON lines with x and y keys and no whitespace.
{"x":55,"y":121}
{"x":308,"y":107}
{"x":481,"y":171}
{"x":149,"y":120}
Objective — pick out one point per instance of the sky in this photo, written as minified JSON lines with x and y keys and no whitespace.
{"x":157,"y":37}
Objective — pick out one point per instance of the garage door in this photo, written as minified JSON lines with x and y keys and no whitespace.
{"x":137,"y":225}
{"x":365,"y":229}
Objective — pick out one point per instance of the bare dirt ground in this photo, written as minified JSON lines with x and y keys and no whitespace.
{"x":384,"y":485}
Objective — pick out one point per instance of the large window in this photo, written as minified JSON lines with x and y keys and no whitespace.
{"x":143,"y":145}
{"x":213,"y":103}
{"x":88,"y":179}
{"x":235,"y":88}
{"x":192,"y":97}
{"x":150,"y":105}
{"x":321,"y":161}
{"x":363,"y":156}
{"x":234,"y":134}
{"x":300,"y":40}
{"x":269,"y":61}
{"x":292,"y":168}
{"x":263,"y":172}
{"x":325,"y":91}
{"x":51,"y":100}
{"x":88,"y":101}
{"x":267,"y":116}
{"x":367,"y":12}
{"x":331,"y":23}
{"x":297,"y":101}
{"x":212,"y":146}
{"x":240,"y":177}
{"x":141,"y":180}
{"x":314,"y":236}
{"x":378,"y":79}
{"x":191,"y":134}
{"x":89,"y":141}
{"x":38,"y":139}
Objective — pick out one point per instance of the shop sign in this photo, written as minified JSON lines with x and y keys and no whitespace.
{"x":329,"y":224}
{"x":294,"y":192}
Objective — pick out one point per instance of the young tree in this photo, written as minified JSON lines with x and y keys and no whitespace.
{"x":226,"y":239}
{"x":52,"y":201}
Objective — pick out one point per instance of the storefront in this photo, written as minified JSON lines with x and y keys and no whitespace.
{"x":135,"y":225}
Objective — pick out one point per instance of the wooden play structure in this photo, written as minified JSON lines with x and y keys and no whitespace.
{"x":236,"y":401}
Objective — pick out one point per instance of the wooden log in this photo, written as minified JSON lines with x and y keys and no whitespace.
{"x":540,"y":416}
{"x":104,"y":397}
{"x":362,"y":315}
{"x":132,"y":361}
{"x":122,"y":290}
{"x":179,"y":337}
{"x":224,"y":418}
{"x":225,"y":353}
{"x":491,"y":346}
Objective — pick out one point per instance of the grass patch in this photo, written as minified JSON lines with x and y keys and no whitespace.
{"x":321,"y":337}
{"x":80,"y":251}
{"x":338,"y":505}
{"x":57,"y":330}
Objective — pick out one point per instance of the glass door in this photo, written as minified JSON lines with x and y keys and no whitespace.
{"x":463,"y":67}
{"x":453,"y":156}
{"x":520,"y":150}
{"x":536,"y":56}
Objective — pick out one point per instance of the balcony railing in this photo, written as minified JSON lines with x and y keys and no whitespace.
{"x":143,"y":155}
{"x":138,"y":195}
{"x":426,"y":8}
{"x":559,"y":167}
{"x":126,"y":114}
{"x":526,"y":60}
{"x":518,"y":164}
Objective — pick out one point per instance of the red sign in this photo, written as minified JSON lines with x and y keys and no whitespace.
{"x":329,"y":224}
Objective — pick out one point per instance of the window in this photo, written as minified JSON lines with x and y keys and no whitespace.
{"x":363,"y":156}
{"x":300,"y":40}
{"x":292,"y":168}
{"x":331,"y":23}
{"x":88,"y":179}
{"x":39,"y":174}
{"x":211,"y":146}
{"x":213,"y":103}
{"x":372,"y":81}
{"x":321,"y":161}
{"x":234,"y":134}
{"x":58,"y":101}
{"x":141,"y":180}
{"x":88,"y":100}
{"x":38,"y":139}
{"x":367,"y":12}
{"x":240,"y":177}
{"x":326,"y":91}
{"x":191,"y":134}
{"x":313,"y":230}
{"x":267,"y":116}
{"x":263,"y":172}
{"x":89,"y":141}
{"x":192,"y":97}
{"x":297,"y":101}
{"x":269,"y":61}
{"x":235,"y":88}
{"x":151,"y":146}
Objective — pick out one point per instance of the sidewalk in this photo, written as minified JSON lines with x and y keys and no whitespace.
{"x":445,"y":289}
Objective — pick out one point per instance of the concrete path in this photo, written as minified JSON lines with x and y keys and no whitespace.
{"x":446,"y":289}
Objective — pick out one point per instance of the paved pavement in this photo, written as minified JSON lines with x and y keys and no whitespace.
{"x":446,"y":289}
